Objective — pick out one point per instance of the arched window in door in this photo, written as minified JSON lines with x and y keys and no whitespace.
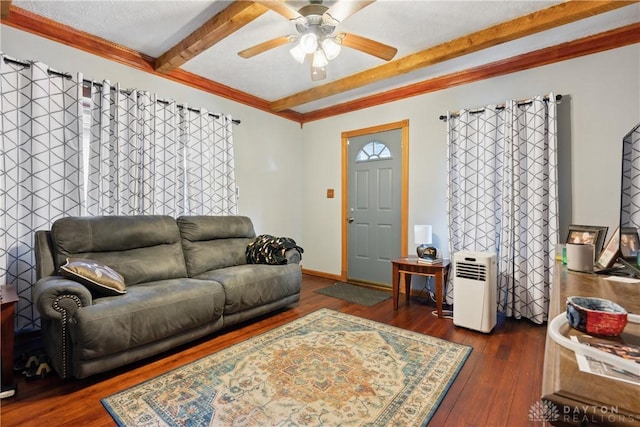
{"x":373,"y":150}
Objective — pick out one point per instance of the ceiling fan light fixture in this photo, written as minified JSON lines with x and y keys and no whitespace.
{"x":298,"y":53}
{"x":319,"y":59}
{"x":331,"y":48}
{"x":315,"y":25}
{"x":309,"y":42}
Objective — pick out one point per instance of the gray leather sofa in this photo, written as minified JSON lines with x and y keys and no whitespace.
{"x":185,"y":279}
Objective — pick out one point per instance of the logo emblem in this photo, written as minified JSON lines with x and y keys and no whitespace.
{"x":543,"y":411}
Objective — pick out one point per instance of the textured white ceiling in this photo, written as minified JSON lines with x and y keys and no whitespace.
{"x":152,"y":27}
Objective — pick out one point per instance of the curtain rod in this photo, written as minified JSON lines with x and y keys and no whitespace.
{"x":499,"y":107}
{"x":91,"y":82}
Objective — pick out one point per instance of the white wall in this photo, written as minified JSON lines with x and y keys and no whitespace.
{"x":267,"y":147}
{"x":599,"y":107}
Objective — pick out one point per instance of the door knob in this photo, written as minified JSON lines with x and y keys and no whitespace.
{"x":350,"y":219}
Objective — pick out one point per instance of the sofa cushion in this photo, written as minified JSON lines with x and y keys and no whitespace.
{"x":131,"y":245}
{"x":213,"y":242}
{"x":100,"y":279}
{"x":148,"y":312}
{"x":252,"y":285}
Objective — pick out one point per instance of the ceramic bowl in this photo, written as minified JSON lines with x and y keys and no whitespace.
{"x":596,"y":316}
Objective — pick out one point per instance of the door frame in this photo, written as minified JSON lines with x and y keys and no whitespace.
{"x":403,"y":125}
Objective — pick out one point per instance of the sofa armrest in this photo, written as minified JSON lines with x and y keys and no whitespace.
{"x":58,"y":298}
{"x":293,"y":256}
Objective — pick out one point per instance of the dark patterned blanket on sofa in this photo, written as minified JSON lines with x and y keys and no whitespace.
{"x":268,"y":249}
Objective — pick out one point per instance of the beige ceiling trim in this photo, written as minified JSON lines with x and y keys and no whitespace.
{"x":4,"y":8}
{"x":225,"y":23}
{"x":532,"y":23}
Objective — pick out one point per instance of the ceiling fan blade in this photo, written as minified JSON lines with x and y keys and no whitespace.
{"x":366,"y":45}
{"x":265,"y":46}
{"x":341,"y":10}
{"x":279,"y":7}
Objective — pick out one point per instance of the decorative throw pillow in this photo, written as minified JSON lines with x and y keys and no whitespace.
{"x":97,"y":277}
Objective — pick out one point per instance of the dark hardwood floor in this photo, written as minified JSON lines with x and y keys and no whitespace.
{"x":496,"y":387}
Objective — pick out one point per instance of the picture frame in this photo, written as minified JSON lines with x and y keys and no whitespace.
{"x":611,"y":250}
{"x":585,"y":234}
{"x":629,"y":243}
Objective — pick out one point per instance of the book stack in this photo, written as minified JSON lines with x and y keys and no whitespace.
{"x":430,"y":260}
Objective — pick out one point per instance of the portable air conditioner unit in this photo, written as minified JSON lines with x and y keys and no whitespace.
{"x":474,"y":290}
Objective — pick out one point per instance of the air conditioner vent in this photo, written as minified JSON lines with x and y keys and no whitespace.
{"x":467,"y":270}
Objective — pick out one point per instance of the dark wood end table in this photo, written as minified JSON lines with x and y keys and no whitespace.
{"x":403,"y":268}
{"x":7,"y":329}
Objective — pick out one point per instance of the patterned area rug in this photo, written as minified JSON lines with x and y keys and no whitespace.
{"x":356,"y":294}
{"x":326,"y":368}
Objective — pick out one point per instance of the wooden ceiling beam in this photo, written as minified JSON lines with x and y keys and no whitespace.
{"x":523,"y":26}
{"x":235,"y":16}
{"x":5,"y":6}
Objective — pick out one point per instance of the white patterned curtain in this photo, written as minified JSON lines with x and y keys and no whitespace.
{"x":150,"y":156}
{"x":209,"y":164}
{"x":40,"y":178}
{"x":136,"y":155}
{"x":503,"y":197}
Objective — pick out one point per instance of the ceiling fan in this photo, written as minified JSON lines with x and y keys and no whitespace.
{"x":316,"y":24}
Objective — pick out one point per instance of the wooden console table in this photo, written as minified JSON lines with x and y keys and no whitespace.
{"x":581,"y":398}
{"x":407,"y":266}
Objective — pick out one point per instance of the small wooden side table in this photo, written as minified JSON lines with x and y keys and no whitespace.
{"x":7,"y":330}
{"x":407,"y":266}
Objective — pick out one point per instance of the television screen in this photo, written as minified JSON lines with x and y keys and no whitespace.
{"x":630,"y":202}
